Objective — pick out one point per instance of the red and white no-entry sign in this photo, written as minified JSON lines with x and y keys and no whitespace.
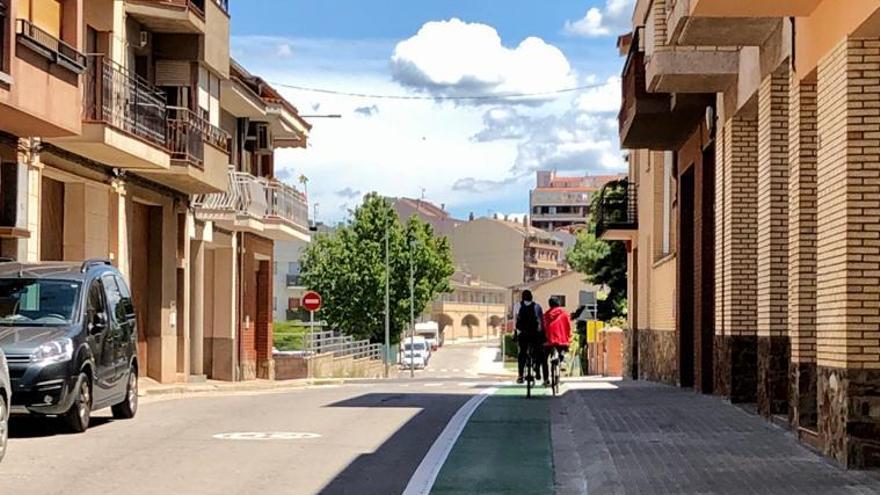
{"x":311,"y":300}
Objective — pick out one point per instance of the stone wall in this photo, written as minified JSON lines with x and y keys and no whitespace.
{"x":327,"y":366}
{"x":658,"y":359}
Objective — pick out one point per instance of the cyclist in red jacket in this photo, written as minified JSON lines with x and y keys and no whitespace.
{"x":557,"y":329}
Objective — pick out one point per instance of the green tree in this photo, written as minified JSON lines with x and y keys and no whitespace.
{"x":348,"y":269}
{"x":603,"y":263}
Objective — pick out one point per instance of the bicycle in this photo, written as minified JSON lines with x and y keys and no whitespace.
{"x":555,"y":363}
{"x":530,"y":370}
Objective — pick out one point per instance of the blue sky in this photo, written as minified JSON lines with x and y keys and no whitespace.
{"x":471,"y":157}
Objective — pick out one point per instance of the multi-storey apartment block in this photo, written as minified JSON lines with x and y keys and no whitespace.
{"x":563,"y":203}
{"x":755,"y":130}
{"x":113,"y":119}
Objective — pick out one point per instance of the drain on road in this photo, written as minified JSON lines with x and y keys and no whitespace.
{"x":266,"y":435}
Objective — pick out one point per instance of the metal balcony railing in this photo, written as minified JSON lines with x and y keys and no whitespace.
{"x":245,"y":195}
{"x":294,"y":280}
{"x":188,"y":133}
{"x":259,"y":198}
{"x":115,"y":96}
{"x":618,"y":207}
{"x":287,"y":204}
{"x":51,"y":47}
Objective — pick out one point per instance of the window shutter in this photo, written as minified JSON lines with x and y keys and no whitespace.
{"x":47,"y":16}
{"x":173,"y":73}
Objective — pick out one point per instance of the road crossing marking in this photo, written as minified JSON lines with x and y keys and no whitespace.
{"x":426,"y":474}
{"x":266,"y":435}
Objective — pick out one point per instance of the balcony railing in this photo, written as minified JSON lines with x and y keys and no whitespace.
{"x":51,"y":47}
{"x":188,"y":133}
{"x":294,"y":280}
{"x":258,"y":198}
{"x":287,"y":204}
{"x":618,"y":207}
{"x":115,"y":96}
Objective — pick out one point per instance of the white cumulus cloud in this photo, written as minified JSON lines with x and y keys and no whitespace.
{"x":456,"y":58}
{"x":613,"y":19}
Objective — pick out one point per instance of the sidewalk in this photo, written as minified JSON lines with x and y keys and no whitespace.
{"x":645,"y":438}
{"x":148,"y":387}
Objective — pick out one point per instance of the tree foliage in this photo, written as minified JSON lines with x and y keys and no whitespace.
{"x":347,"y":268}
{"x":603,"y":263}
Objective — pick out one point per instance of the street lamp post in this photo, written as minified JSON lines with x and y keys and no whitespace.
{"x":387,"y":307}
{"x":412,"y":306}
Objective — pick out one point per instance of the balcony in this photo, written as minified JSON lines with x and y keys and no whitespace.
{"x":257,"y":205}
{"x":124,"y":119}
{"x":198,"y":153}
{"x":169,"y":16}
{"x":657,"y":121}
{"x":194,"y":29}
{"x":741,"y":23}
{"x":672,"y":68}
{"x":617,"y":214}
{"x":288,"y":214}
{"x":56,"y":51}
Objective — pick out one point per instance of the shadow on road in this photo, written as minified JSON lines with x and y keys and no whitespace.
{"x":40,"y":427}
{"x":389,"y":468}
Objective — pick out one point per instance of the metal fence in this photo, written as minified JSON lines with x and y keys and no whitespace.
{"x":329,"y":342}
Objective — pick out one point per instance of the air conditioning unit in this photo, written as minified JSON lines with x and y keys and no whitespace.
{"x":146,"y":38}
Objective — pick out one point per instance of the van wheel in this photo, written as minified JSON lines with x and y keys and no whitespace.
{"x":4,"y":426}
{"x":77,"y":417}
{"x":128,"y":407}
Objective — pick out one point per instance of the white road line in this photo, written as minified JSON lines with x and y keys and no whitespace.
{"x":423,"y":478}
{"x":433,"y":384}
{"x":456,"y":370}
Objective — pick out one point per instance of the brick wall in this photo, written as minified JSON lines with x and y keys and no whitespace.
{"x":802,"y":221}
{"x":737,"y":223}
{"x":772,"y":203}
{"x":848,"y":208}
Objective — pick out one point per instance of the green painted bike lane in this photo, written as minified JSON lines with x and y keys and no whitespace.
{"x":504,"y":448}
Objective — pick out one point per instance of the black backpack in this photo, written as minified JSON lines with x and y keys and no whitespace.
{"x":527,"y":319}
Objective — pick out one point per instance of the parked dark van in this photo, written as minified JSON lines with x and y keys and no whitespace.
{"x":70,"y":337}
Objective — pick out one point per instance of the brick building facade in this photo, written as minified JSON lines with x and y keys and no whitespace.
{"x":769,"y":177}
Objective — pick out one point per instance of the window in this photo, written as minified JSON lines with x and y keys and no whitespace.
{"x":29,"y":302}
{"x":118,"y":299}
{"x":293,"y":267}
{"x":95,"y":301}
{"x":4,"y":29}
{"x":668,"y":164}
{"x":561,"y":300}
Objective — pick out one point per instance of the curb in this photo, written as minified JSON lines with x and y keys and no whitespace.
{"x":204,"y":389}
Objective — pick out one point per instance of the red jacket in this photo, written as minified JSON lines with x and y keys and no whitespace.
{"x":557,"y":327}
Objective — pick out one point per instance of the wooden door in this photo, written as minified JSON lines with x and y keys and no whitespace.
{"x":140,"y":277}
{"x":52,"y":224}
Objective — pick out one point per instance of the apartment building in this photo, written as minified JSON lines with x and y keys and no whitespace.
{"x":755,"y":132}
{"x":440,"y":220}
{"x":474,"y":309}
{"x":560,"y":203}
{"x":506,"y":253}
{"x":112,"y":123}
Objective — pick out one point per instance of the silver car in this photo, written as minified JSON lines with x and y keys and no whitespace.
{"x":5,"y":401}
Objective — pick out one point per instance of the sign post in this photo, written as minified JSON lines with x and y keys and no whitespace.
{"x":312,"y":302}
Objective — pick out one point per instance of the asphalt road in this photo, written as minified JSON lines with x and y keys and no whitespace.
{"x":366,"y":437}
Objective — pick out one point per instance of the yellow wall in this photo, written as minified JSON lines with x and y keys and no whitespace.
{"x":490,"y":250}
